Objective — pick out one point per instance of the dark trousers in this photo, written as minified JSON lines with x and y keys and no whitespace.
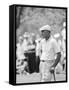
{"x":31,"y":61}
{"x":37,"y":63}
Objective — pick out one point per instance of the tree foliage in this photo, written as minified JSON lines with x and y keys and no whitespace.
{"x":31,"y":19}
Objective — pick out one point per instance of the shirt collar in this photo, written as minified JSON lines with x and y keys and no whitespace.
{"x":48,"y":39}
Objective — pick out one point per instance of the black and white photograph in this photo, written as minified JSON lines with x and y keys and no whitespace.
{"x":41,"y":43}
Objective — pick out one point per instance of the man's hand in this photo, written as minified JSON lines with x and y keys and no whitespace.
{"x":52,"y":69}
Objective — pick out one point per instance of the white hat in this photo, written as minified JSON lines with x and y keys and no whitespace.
{"x":26,"y":34}
{"x":57,"y":35}
{"x":46,"y":27}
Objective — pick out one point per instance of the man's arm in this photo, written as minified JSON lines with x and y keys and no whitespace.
{"x":57,"y":59}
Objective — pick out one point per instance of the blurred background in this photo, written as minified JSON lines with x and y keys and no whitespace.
{"x":30,"y":19}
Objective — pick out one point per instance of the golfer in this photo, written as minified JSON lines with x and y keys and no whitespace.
{"x":48,"y":49}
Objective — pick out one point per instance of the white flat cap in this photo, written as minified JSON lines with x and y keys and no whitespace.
{"x":46,"y":27}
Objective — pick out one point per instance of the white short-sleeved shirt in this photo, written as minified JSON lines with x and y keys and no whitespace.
{"x":49,"y":49}
{"x":25,"y":45}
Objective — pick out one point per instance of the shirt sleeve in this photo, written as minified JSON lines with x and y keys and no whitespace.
{"x":56,"y":46}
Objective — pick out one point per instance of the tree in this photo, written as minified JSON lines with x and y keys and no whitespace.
{"x":31,"y":19}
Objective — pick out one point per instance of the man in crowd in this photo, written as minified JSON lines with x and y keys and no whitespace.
{"x":63,"y":44}
{"x":29,"y":51}
{"x":20,"y":62}
{"x":48,"y":49}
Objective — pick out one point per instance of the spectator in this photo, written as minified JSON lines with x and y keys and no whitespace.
{"x":20,"y":64}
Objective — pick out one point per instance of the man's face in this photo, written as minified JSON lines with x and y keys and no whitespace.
{"x":46,"y":34}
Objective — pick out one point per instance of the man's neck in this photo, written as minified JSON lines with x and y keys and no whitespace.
{"x":47,"y":39}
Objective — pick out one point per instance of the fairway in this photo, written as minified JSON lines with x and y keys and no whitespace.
{"x":35,"y":77}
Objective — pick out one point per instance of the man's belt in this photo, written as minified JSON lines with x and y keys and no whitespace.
{"x":42,"y":60}
{"x":46,"y":60}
